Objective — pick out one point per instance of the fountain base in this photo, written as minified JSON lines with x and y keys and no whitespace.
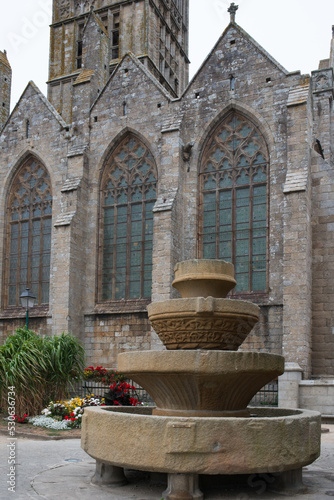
{"x":270,"y":440}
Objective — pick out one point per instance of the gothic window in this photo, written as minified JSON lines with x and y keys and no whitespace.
{"x":29,"y":210}
{"x":128,"y":194}
{"x":234,"y":201}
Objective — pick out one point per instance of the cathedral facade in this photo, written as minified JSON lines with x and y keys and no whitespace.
{"x":126,"y":168}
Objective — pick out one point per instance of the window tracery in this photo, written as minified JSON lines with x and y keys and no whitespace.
{"x":233,"y":200}
{"x":29,"y":212}
{"x":128,"y":194}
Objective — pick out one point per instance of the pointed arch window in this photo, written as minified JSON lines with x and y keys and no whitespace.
{"x":29,"y":212}
{"x":233,"y":222}
{"x":128,"y":194}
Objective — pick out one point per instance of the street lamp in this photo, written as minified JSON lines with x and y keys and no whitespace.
{"x":27,"y":301}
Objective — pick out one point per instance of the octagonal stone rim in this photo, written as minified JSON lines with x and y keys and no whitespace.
{"x":198,"y":305}
{"x":171,"y":439}
{"x":207,"y":362}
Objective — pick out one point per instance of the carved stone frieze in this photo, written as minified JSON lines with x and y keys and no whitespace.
{"x":202,"y":333}
{"x":82,"y":6}
{"x":64,"y":9}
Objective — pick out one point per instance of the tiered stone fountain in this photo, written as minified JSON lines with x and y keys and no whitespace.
{"x":202,"y":386}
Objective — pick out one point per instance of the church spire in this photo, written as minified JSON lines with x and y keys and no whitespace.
{"x":232,"y":10}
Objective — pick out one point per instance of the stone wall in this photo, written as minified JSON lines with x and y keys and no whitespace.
{"x":317,"y":395}
{"x":323,"y":225}
{"x":106,"y":336}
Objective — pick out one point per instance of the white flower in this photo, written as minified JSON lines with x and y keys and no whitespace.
{"x":50,"y":423}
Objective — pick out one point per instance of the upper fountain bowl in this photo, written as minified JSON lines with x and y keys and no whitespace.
{"x":204,"y":278}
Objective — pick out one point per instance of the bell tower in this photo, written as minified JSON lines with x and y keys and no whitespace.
{"x":155,"y":31}
{"x":5,"y":88}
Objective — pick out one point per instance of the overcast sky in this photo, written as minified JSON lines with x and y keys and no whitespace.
{"x":296,"y":33}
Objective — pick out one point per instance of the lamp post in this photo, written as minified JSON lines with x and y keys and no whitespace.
{"x":27,"y":301}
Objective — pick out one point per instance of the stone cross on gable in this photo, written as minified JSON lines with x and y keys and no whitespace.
{"x":232,"y":10}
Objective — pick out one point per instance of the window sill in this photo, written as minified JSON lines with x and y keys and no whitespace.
{"x":20,"y":312}
{"x":259,"y":298}
{"x":121,"y":306}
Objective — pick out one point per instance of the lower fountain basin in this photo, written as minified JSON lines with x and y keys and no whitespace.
{"x":203,"y":323}
{"x":270,"y":440}
{"x":201,"y":383}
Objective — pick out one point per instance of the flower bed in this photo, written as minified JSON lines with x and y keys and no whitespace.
{"x":67,"y":412}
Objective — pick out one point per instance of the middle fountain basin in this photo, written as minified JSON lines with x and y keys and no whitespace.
{"x":271,"y":440}
{"x":201,"y":383}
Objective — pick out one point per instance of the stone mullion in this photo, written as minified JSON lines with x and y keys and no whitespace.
{"x":250,"y":236}
{"x":217,"y":216}
{"x":128,"y":244}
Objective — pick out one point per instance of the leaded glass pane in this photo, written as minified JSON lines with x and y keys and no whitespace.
{"x":218,"y":155}
{"x":12,"y":295}
{"x":47,"y":206}
{"x":259,"y":175}
{"x":209,"y":250}
{"x":25,"y":213}
{"x":259,"y":280}
{"x":45,"y":293}
{"x":225,"y":181}
{"x":151,"y":193}
{"x":242,"y":178}
{"x":251,"y":148}
{"x":134,"y":288}
{"x":109,"y":200}
{"x":148,"y":284}
{"x":243,"y":162}
{"x":15,"y":215}
{"x":210,"y":182}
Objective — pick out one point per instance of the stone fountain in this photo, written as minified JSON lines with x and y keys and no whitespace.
{"x":202,"y":386}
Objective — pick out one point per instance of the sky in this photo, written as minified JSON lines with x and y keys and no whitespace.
{"x":297,"y":33}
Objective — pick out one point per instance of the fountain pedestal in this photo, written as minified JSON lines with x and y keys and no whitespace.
{"x":202,"y":386}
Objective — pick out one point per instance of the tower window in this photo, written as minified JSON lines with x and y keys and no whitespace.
{"x":79,"y":54}
{"x":79,"y":45}
{"x":27,"y":129}
{"x":115,"y":36}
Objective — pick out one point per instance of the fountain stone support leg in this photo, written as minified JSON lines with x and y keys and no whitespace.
{"x":289,"y":481}
{"x":108,"y":474}
{"x":182,"y":487}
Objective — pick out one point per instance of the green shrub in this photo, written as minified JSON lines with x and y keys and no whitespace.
{"x":39,"y":368}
